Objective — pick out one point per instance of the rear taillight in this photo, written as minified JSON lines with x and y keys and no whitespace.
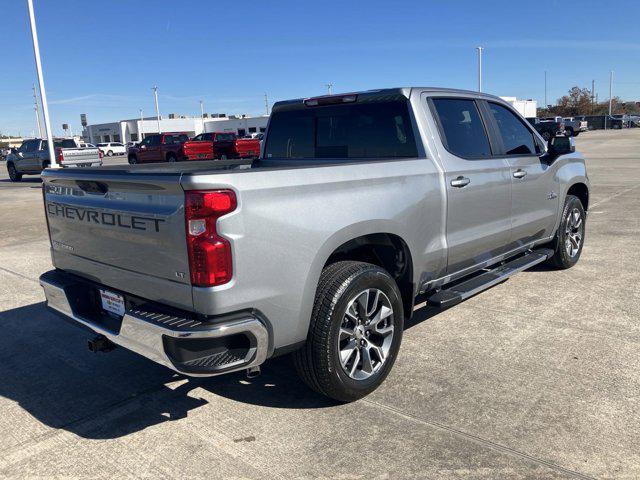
{"x":210,"y":260}
{"x":100,"y":154}
{"x":60,"y":156}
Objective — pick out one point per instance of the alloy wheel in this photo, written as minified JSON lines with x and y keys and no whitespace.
{"x":574,"y":233}
{"x":366,"y":334}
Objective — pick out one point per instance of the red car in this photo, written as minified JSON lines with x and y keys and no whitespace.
{"x":169,"y":147}
{"x":223,"y":143}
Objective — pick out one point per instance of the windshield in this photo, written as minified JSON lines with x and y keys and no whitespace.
{"x":356,"y":130}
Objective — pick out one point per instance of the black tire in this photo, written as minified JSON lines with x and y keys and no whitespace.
{"x":133,"y":159}
{"x":171,"y":158}
{"x":318,"y":361}
{"x":546,"y":136}
{"x":109,"y":153}
{"x":565,"y":254}
{"x":14,"y":176}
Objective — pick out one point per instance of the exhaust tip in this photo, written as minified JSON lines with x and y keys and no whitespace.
{"x":253,"y":372}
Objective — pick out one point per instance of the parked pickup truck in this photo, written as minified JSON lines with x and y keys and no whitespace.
{"x":223,"y":144}
{"x":248,"y":147}
{"x":547,"y":128}
{"x":169,"y":147}
{"x":573,"y":126}
{"x":358,"y":204}
{"x":33,"y":157}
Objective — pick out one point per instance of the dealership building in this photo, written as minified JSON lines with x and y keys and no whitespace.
{"x":134,"y":130}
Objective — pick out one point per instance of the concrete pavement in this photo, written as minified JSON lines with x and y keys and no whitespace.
{"x":535,"y":378}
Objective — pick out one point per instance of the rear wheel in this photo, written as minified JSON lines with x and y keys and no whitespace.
{"x":171,"y":158}
{"x":570,"y":235}
{"x":14,"y":176}
{"x":133,"y":159}
{"x":109,"y":153}
{"x":355,"y":331}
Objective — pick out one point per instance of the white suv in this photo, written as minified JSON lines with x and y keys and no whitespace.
{"x":113,"y":148}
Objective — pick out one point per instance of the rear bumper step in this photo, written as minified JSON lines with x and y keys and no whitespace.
{"x":461,"y":291}
{"x":183,"y":345}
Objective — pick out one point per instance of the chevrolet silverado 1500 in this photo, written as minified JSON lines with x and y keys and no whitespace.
{"x":358,"y":204}
{"x":169,"y":147}
{"x":33,"y":156}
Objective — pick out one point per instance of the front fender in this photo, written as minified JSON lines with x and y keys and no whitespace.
{"x":570,"y":170}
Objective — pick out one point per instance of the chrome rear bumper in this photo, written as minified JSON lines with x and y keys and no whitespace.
{"x":154,"y":336}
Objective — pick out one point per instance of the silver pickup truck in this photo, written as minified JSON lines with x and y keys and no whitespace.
{"x":358,"y":204}
{"x":33,"y":157}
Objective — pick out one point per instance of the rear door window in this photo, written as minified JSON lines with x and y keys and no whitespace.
{"x":517,"y":139}
{"x":356,"y":130}
{"x":461,"y":126}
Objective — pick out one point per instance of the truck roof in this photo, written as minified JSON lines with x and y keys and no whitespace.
{"x":386,"y":94}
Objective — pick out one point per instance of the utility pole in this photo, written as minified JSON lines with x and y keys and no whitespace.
{"x":155,"y":96}
{"x":610,"y":90}
{"x":140,"y":134}
{"x":593,"y":95}
{"x":266,"y":104}
{"x":43,"y":93}
{"x":329,"y":87}
{"x":545,"y":89}
{"x":37,"y":109}
{"x":480,"y":49}
{"x":202,"y":113}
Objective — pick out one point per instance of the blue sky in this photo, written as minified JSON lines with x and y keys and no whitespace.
{"x":102,"y":58}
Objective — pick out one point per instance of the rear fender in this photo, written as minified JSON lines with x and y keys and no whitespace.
{"x":330,"y":245}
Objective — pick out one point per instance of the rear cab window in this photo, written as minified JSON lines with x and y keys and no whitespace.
{"x":461,"y":127}
{"x":361,"y":130}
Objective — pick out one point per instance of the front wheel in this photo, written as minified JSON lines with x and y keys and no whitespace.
{"x":570,"y":235}
{"x":109,"y":153}
{"x":355,"y":331}
{"x":14,"y":176}
{"x":133,"y":159}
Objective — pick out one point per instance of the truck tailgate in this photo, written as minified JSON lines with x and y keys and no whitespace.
{"x":198,"y":149}
{"x":121,"y":228}
{"x":80,"y":156}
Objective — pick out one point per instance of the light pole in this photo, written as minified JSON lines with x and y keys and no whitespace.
{"x":37,"y":109}
{"x":43,"y":93}
{"x":202,"y":113}
{"x":480,"y":49}
{"x":545,"y":89}
{"x":610,"y":91}
{"x":140,"y":133}
{"x":155,"y":96}
{"x":329,"y":88}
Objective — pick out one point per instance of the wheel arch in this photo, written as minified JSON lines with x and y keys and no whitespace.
{"x":580,"y":190}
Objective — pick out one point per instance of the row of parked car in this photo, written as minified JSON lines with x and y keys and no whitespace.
{"x":178,"y":147}
{"x":572,"y":126}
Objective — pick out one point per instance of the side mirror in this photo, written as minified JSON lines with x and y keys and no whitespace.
{"x":142,"y":147}
{"x":561,"y":146}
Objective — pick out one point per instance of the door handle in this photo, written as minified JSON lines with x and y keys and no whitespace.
{"x":460,"y":182}
{"x":519,"y":173}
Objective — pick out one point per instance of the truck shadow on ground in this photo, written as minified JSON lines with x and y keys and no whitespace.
{"x":46,"y":368}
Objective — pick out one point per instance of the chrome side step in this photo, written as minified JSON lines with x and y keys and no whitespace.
{"x":461,"y":291}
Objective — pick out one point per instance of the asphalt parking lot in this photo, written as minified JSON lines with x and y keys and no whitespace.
{"x":537,"y":377}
